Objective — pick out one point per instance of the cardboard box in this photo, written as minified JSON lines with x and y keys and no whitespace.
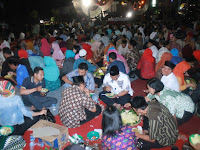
{"x":56,"y":142}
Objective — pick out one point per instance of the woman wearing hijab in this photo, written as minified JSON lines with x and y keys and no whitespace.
{"x":146,"y":66}
{"x":51,"y":74}
{"x":98,"y":52}
{"x":68,"y":63}
{"x":45,"y":47}
{"x":160,"y":53}
{"x":13,"y":112}
{"x":179,"y":71}
{"x":175,"y":57}
{"x":58,"y":55}
{"x":165,"y":57}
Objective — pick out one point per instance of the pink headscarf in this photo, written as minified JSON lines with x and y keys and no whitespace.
{"x":45,"y":47}
{"x":120,"y":58}
{"x":58,"y":55}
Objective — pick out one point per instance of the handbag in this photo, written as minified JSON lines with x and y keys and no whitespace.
{"x":48,"y":117}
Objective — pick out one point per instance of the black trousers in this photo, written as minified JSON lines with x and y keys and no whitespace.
{"x":91,"y":115}
{"x":145,"y":145}
{"x":110,"y":101}
{"x":186,"y":117}
{"x":28,"y":122}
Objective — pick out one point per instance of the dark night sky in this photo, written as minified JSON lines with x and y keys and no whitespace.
{"x":20,"y":9}
{"x":17,"y":12}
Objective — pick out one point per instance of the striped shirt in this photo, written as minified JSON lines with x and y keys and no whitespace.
{"x":162,"y":125}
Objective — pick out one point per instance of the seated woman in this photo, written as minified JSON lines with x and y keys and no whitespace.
{"x":57,"y":55}
{"x":13,"y":112}
{"x":180,"y":105}
{"x":146,"y":66}
{"x":51,"y":74}
{"x":76,"y":106}
{"x":165,"y":57}
{"x":175,"y":57}
{"x":36,"y":61}
{"x":115,"y":135}
{"x":21,"y":71}
{"x":68,"y":63}
{"x":98,"y":52}
{"x":179,"y":71}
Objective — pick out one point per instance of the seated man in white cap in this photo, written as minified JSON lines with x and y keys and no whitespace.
{"x":118,"y":83}
{"x":83,"y":59}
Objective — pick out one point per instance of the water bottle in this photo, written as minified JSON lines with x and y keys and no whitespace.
{"x":54,"y":107}
{"x":31,"y":145}
{"x":32,"y":142}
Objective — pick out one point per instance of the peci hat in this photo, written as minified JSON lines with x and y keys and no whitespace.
{"x":114,"y":70}
{"x":169,"y":64}
{"x":82,"y":52}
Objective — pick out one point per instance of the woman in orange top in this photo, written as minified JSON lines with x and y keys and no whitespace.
{"x":179,"y":71}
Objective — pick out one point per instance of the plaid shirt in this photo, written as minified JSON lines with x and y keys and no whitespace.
{"x":72,"y":106}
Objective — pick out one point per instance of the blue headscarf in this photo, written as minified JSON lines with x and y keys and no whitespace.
{"x":51,"y":71}
{"x":174,"y":52}
{"x":69,"y":53}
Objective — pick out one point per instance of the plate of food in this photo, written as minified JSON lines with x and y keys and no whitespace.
{"x":93,"y":135}
{"x":109,"y":94}
{"x":129,"y":117}
{"x":76,"y":138}
{"x":6,"y":130}
{"x":194,"y":139}
{"x":8,"y":76}
{"x":44,"y":90}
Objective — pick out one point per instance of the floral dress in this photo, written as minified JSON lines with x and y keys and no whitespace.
{"x":124,"y":140}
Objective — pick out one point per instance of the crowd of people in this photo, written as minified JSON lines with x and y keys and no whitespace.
{"x":86,"y":58}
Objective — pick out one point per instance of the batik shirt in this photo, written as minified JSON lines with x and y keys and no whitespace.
{"x":119,"y":85}
{"x":176,"y":102}
{"x":125,"y":140}
{"x":72,"y":106}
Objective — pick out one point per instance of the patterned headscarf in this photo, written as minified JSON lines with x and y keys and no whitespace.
{"x":165,"y":57}
{"x":6,"y":89}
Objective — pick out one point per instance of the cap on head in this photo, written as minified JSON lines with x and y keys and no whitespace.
{"x":82,"y":52}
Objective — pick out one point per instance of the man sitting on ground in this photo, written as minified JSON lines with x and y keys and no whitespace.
{"x":88,"y":78}
{"x":113,"y":61}
{"x":118,"y":83}
{"x":168,"y":78}
{"x":83,"y":59}
{"x":160,"y":128}
{"x":76,"y":106}
{"x":31,"y":91}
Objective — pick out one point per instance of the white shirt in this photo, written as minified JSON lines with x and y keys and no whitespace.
{"x":152,"y":35}
{"x":119,"y":85}
{"x":121,"y":50}
{"x":154,"y":50}
{"x":170,"y":81}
